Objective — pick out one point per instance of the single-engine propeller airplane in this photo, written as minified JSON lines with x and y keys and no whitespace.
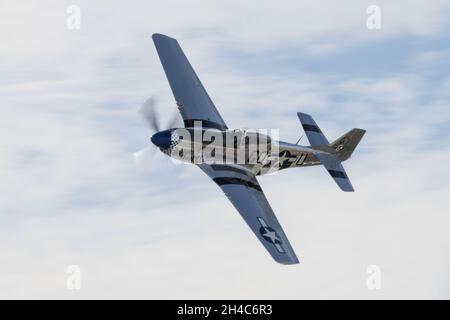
{"x":233,"y":158}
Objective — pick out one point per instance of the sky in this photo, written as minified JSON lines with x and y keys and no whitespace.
{"x":71,"y":194}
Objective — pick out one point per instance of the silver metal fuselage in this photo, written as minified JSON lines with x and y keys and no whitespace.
{"x":251,"y":149}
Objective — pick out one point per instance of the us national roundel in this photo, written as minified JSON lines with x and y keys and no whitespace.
{"x":342,"y":143}
{"x":270,"y":235}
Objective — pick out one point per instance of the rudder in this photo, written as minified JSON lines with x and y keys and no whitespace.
{"x":346,"y":144}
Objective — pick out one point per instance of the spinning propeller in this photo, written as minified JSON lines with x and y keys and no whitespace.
{"x":149,"y":113}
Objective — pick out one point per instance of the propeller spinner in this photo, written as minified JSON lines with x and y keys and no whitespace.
{"x":160,"y":139}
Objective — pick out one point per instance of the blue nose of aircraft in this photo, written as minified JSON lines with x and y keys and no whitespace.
{"x":162,"y":139}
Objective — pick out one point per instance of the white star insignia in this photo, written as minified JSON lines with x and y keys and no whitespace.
{"x":271,"y":235}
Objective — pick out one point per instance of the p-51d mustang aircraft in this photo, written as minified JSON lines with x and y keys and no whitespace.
{"x":233,"y":166}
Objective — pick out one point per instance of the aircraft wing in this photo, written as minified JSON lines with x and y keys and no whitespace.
{"x":246,"y":195}
{"x":191,"y":97}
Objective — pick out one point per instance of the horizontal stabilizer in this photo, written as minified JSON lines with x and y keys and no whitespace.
{"x":336,"y":170}
{"x":312,"y":130}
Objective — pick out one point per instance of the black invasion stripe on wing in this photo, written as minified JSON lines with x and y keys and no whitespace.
{"x":225,"y":180}
{"x":221,"y":167}
{"x":189,"y":123}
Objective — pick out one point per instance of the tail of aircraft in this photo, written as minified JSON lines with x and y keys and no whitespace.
{"x":332,"y":154}
{"x":346,"y":144}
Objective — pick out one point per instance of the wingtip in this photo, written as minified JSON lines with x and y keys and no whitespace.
{"x":288,"y":260}
{"x":346,"y":186}
{"x":289,"y":263}
{"x":157,"y":36}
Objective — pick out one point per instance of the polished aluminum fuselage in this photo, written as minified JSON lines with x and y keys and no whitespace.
{"x":251,"y":149}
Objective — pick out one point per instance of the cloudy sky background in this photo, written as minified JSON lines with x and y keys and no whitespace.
{"x":71,"y":193}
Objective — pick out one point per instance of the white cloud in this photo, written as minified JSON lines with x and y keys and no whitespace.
{"x":71,"y":194}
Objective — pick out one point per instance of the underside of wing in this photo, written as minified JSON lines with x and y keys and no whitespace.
{"x":194,"y":103}
{"x":246,"y":195}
